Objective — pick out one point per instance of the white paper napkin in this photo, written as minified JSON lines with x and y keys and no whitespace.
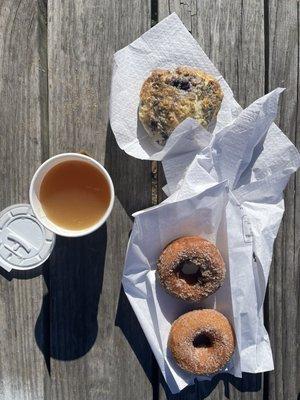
{"x":226,"y":185}
{"x":166,"y":45}
{"x":244,"y":231}
{"x":257,"y":163}
{"x":201,"y":214}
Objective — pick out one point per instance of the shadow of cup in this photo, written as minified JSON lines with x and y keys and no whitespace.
{"x":67,"y":326}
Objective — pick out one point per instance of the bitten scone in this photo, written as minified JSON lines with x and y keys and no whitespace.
{"x":168,"y":97}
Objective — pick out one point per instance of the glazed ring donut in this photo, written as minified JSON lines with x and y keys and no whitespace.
{"x":201,"y":341}
{"x":191,"y":268}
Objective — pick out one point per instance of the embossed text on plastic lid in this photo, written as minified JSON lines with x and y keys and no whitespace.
{"x":24,"y":242}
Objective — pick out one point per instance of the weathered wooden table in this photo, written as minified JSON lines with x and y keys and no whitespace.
{"x":67,"y":331}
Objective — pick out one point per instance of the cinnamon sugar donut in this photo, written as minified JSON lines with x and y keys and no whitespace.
{"x":201,"y":341}
{"x":191,"y":268}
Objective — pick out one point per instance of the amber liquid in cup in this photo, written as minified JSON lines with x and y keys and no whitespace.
{"x":74,"y":195}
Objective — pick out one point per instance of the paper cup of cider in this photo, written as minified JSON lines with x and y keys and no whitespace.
{"x":71,"y":194}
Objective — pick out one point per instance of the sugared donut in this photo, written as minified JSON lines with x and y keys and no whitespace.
{"x":191,"y":268}
{"x":202,"y":341}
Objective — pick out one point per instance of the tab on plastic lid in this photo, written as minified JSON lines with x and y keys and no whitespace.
{"x":24,"y":242}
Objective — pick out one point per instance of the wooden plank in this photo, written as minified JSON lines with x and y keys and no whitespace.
{"x":23,"y":120}
{"x":97,"y":347}
{"x":232,"y":35}
{"x":283,"y":301}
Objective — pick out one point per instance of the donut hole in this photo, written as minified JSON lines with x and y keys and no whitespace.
{"x":195,"y":270}
{"x":202,"y":340}
{"x":189,"y":271}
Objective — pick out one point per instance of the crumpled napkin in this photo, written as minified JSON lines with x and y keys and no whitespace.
{"x":226,"y":185}
{"x":256,"y":160}
{"x":167,"y":45}
{"x":201,"y":214}
{"x":243,"y":226}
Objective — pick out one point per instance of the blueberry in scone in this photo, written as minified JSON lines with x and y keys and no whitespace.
{"x":168,"y":97}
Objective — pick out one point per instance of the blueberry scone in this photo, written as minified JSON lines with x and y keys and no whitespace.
{"x":170,"y":96}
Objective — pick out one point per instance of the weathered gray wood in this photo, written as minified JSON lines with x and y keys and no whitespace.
{"x":116,"y":361}
{"x":232,"y":35}
{"x":23,"y":371}
{"x":283,"y":302}
{"x":86,"y":325}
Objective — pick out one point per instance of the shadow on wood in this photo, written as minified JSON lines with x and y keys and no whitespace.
{"x":18,"y":274}
{"x":131,"y":191}
{"x":67,"y":326}
{"x":198,"y":391}
{"x":128,"y":323}
{"x":249,"y":383}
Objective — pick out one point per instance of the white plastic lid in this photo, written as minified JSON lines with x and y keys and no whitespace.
{"x":24,"y":242}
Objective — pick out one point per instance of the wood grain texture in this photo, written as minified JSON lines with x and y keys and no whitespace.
{"x":232,"y":35}
{"x":98,"y":350}
{"x":54,"y":86}
{"x":283,"y":301}
{"x":23,"y":372}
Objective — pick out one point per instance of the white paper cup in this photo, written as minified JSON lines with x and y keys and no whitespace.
{"x":35,"y":190}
